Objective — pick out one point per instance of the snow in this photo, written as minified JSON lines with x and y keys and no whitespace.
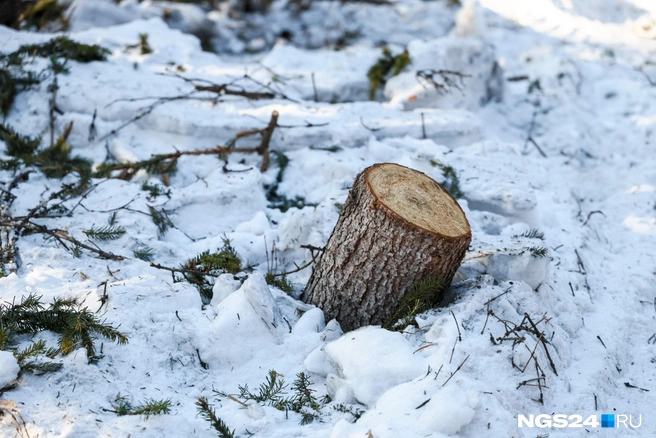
{"x":589,"y":189}
{"x":9,"y":368}
{"x":363,"y":355}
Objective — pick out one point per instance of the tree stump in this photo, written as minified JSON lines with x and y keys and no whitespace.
{"x":396,"y":228}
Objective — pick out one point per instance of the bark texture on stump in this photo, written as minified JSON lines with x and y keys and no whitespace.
{"x":396,"y":228}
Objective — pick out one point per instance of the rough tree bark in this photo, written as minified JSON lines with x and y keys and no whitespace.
{"x":397,"y":228}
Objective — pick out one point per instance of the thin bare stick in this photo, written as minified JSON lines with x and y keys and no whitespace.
{"x":182,"y":271}
{"x":314,"y":88}
{"x":453,"y":350}
{"x":457,"y":326}
{"x":61,"y":236}
{"x":544,"y":344}
{"x":457,"y":369}
{"x":591,"y":213}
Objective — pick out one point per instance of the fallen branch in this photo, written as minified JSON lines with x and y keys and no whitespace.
{"x":164,"y":164}
{"x":443,"y":80}
{"x":61,"y":236}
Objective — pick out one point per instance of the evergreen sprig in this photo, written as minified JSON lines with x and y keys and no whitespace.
{"x":206,"y":411}
{"x":533,"y":233}
{"x":273,"y":393}
{"x":54,"y":161}
{"x":387,"y":66}
{"x":122,"y":406}
{"x":355,"y":412}
{"x":537,"y":251}
{"x":452,"y":180}
{"x":280,"y":282}
{"x":76,"y":326}
{"x":14,"y":77}
{"x":160,"y":219}
{"x":108,"y":232}
{"x":32,"y":351}
{"x":144,"y":253}
{"x":201,"y":270}
{"x":62,"y":47}
{"x":419,"y":298}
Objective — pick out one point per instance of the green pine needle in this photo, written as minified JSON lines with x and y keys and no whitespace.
{"x":452,"y":182}
{"x":160,"y":219}
{"x":105,"y":233}
{"x":386,"y":67}
{"x":77,"y":326}
{"x":533,"y":233}
{"x":144,"y":253}
{"x":152,"y":407}
{"x":122,"y":406}
{"x":273,"y":392}
{"x":280,"y":282}
{"x":419,"y":298}
{"x":32,"y":351}
{"x":538,"y":251}
{"x":201,"y":270}
{"x":206,"y":411}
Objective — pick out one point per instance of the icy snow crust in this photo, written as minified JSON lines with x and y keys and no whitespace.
{"x":594,"y":123}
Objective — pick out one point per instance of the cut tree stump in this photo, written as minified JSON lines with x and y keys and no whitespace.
{"x":397,"y":228}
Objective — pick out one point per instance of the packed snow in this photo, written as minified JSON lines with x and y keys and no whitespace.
{"x":551,"y":128}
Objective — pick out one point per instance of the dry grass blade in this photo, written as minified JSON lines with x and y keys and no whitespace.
{"x":11,"y":409}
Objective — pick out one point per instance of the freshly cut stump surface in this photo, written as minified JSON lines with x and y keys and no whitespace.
{"x":396,"y":228}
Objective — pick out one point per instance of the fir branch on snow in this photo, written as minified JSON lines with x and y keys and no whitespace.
{"x":206,"y":411}
{"x":61,"y":236}
{"x":452,"y":180}
{"x":108,"y":232}
{"x":143,"y":45}
{"x":76,"y":325}
{"x":122,"y":406}
{"x":355,"y":412}
{"x":32,"y":351}
{"x":160,"y":219}
{"x":199,"y":271}
{"x":144,"y":253}
{"x":536,"y":251}
{"x":54,"y":161}
{"x":386,"y":66}
{"x":533,"y":233}
{"x":420,"y":298}
{"x":165,"y":165}
{"x":14,"y":77}
{"x":273,"y":393}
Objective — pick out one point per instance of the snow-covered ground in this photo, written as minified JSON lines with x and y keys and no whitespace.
{"x":587,"y":180}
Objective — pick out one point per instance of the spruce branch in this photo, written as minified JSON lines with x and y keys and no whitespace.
{"x":122,"y":406}
{"x":533,"y":233}
{"x":421,"y":297}
{"x":452,"y":179}
{"x":273,"y":393}
{"x":144,"y":253}
{"x":32,"y":351}
{"x":76,"y":325}
{"x":108,"y":232}
{"x":165,"y":164}
{"x":199,"y":271}
{"x":206,"y":411}
{"x":61,"y":236}
{"x":160,"y":219}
